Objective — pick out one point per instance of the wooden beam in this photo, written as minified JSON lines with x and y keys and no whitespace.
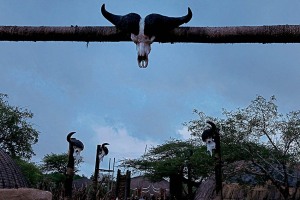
{"x":237,"y":34}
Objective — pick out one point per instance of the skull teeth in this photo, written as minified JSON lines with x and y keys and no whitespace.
{"x":142,"y":61}
{"x":143,"y":64}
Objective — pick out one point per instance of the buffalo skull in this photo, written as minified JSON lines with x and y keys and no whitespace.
{"x":144,"y":30}
{"x":208,"y":136}
{"x":104,"y":151}
{"x":75,"y":147}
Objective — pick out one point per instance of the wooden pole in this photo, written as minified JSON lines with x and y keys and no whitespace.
{"x":96,"y":172}
{"x":108,"y":180}
{"x":68,"y":185}
{"x":69,"y":174}
{"x":112,"y":176}
{"x":234,"y":34}
{"x":218,"y":165}
{"x":207,"y":136}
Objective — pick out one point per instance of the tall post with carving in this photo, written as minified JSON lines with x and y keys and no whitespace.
{"x":101,"y":151}
{"x":212,"y":139}
{"x":75,"y":147}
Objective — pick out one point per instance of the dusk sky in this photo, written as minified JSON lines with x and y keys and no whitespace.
{"x":99,"y":91}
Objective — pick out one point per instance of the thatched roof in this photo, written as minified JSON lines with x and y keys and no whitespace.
{"x":10,"y":174}
{"x":206,"y":191}
{"x":81,"y":183}
{"x":147,"y":186}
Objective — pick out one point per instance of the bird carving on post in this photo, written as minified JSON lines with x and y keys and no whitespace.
{"x":144,"y":30}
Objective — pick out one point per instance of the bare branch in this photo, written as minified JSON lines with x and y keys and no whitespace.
{"x":287,"y":146}
{"x":270,"y":139}
{"x":273,"y":179}
{"x":264,"y":160}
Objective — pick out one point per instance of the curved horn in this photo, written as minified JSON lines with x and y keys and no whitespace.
{"x":104,"y":148}
{"x":157,"y":22}
{"x":69,"y":136}
{"x":129,"y":22}
{"x":213,"y":126}
{"x":77,"y":143}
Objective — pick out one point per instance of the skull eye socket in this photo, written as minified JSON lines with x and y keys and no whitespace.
{"x":77,"y":150}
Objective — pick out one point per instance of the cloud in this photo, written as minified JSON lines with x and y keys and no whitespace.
{"x":71,"y":87}
{"x":184,"y":133}
{"x":121,"y":146}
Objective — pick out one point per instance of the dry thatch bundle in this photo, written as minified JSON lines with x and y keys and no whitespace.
{"x":10,"y":174}
{"x":206,"y":191}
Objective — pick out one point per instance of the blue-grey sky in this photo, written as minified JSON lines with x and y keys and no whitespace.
{"x":100,"y":92}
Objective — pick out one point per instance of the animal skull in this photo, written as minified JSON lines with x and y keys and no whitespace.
{"x":104,"y":151}
{"x":210,"y":145}
{"x":143,"y":47}
{"x":208,"y":136}
{"x":77,"y":146}
{"x":76,"y":154}
{"x":144,"y":31}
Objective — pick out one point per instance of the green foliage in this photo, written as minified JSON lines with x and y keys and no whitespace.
{"x":261,"y":124}
{"x":55,"y":177}
{"x":258,"y":145}
{"x":178,"y":160}
{"x":31,"y":172}
{"x":54,"y":182}
{"x":55,"y":163}
{"x":258,"y":141}
{"x":169,"y":158}
{"x":17,"y":135}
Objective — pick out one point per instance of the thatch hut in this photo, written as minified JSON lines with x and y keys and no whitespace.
{"x":206,"y":191}
{"x":10,"y":174}
{"x":142,"y":186}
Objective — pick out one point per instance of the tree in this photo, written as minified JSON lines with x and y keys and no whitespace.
{"x":17,"y":134}
{"x":55,"y":163}
{"x":31,"y":171}
{"x":182,"y":161}
{"x":266,"y":142}
{"x":55,"y":167}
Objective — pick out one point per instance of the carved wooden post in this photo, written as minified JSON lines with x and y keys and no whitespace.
{"x":96,"y":172}
{"x":74,"y":146}
{"x":212,"y":139}
{"x":127,"y":187}
{"x":218,"y":164}
{"x":101,"y":151}
{"x":176,"y":184}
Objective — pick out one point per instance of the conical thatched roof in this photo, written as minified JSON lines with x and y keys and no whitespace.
{"x":206,"y":191}
{"x":10,"y":173}
{"x":81,"y":183}
{"x":143,"y":182}
{"x":148,"y":187}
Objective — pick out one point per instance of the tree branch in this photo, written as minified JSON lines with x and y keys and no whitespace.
{"x":287,"y":146}
{"x":283,"y":173}
{"x":238,"y":34}
{"x":270,"y":139}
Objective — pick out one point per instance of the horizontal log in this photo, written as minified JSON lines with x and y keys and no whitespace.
{"x":234,"y":34}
